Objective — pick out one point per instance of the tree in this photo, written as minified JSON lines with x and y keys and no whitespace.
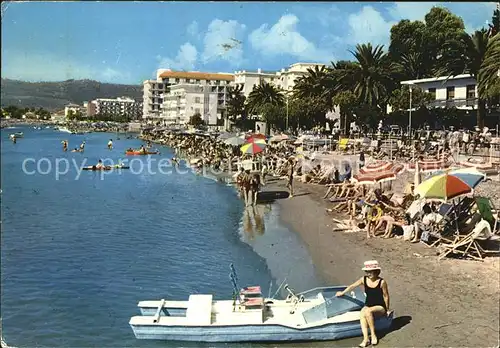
{"x":442,"y":28}
{"x":495,"y":23}
{"x":372,"y":75}
{"x":400,"y":98}
{"x":236,"y":103}
{"x":71,"y":115}
{"x":407,"y":50}
{"x":196,"y":120}
{"x":478,"y":55}
{"x":264,"y":94}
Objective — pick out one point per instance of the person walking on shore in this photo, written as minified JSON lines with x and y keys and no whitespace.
{"x":376,"y":302}
{"x":289,"y":184}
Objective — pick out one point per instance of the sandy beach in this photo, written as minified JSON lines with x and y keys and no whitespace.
{"x":447,"y":303}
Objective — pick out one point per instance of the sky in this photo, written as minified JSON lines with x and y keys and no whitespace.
{"x":126,"y":42}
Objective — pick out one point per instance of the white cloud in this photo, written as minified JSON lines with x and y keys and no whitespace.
{"x":49,"y":67}
{"x":411,"y":10}
{"x":186,"y":58}
{"x":368,"y":25}
{"x":284,"y":38}
{"x":223,"y":41}
{"x":192,"y":29}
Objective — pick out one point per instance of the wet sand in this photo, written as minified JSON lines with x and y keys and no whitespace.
{"x":452,"y":302}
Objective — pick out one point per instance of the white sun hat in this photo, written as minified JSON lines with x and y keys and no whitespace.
{"x":371,"y":265}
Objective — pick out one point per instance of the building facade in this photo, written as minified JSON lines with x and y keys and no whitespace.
{"x":74,"y":109}
{"x":284,"y":79}
{"x":175,"y":96}
{"x":459,"y":91}
{"x":122,"y":106}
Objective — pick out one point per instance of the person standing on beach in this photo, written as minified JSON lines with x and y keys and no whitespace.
{"x":361,"y":160}
{"x":376,"y":303}
{"x":289,"y":184}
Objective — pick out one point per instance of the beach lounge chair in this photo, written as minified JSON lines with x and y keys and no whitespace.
{"x":470,"y":245}
{"x":488,"y":213}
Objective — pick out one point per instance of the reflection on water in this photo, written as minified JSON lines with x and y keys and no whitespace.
{"x":253,"y":220}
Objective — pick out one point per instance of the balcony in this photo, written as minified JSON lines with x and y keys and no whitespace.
{"x":459,"y":103}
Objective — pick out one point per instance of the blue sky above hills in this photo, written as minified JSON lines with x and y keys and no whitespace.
{"x":125,"y":42}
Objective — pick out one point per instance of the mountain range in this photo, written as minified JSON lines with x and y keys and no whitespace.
{"x":56,"y":95}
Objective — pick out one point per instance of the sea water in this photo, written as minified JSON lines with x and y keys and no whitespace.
{"x":79,"y":252}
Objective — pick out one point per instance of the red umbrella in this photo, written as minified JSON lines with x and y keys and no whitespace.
{"x":255,"y":136}
{"x":376,"y":166}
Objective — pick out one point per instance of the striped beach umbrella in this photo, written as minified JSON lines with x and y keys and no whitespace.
{"x":377,"y":166}
{"x":449,"y":185}
{"x":430,"y":165}
{"x":385,"y":173}
{"x":252,"y":148}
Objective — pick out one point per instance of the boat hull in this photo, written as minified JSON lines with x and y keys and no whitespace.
{"x":255,"y":333}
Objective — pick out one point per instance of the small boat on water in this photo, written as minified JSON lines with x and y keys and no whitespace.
{"x":138,"y":153}
{"x":17,"y":135}
{"x":94,"y":168}
{"x":65,"y":130}
{"x":313,"y":315}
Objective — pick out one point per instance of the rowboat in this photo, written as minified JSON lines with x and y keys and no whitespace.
{"x":312,"y":315}
{"x":17,"y":135}
{"x":139,"y":153}
{"x":94,"y":168}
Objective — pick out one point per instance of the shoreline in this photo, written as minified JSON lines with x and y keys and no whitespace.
{"x":437,"y":303}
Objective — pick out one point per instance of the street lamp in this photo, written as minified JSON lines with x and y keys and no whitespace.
{"x":286,"y":128}
{"x":409,"y":117}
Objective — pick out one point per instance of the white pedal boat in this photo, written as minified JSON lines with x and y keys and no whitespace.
{"x":313,"y":315}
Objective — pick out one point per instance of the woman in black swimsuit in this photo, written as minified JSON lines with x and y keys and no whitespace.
{"x":376,"y":302}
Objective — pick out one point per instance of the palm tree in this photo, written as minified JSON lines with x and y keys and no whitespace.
{"x":316,"y":83}
{"x":263,"y":94}
{"x":371,"y":75}
{"x":480,"y":59}
{"x":235,"y":103}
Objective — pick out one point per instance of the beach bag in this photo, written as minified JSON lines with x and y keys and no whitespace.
{"x":408,"y":232}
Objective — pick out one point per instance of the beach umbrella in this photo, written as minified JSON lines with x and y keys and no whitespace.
{"x":377,"y":166}
{"x":449,"y":185}
{"x":234,"y":141}
{"x":252,"y":148}
{"x":430,"y":165}
{"x":256,"y":136}
{"x":224,"y":136}
{"x":372,"y":177}
{"x":470,"y":176}
{"x":257,"y":141}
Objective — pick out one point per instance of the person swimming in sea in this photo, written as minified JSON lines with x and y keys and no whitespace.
{"x":110,"y":144}
{"x":13,"y":138}
{"x":65,"y":145}
{"x":82,"y":146}
{"x":76,"y":150}
{"x":100,"y":165}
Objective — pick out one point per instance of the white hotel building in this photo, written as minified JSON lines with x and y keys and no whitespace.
{"x":175,"y":96}
{"x":459,"y":91}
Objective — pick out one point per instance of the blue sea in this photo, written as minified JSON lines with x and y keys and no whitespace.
{"x":80,"y":249}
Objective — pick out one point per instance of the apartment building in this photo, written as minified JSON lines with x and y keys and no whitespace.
{"x":122,"y":106}
{"x":175,"y":96}
{"x":73,"y":109}
{"x":284,"y":79}
{"x":185,"y":100}
{"x":459,"y":91}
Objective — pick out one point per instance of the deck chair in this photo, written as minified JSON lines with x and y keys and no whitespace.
{"x":488,"y":213}
{"x":343,"y":143}
{"x":464,"y":246}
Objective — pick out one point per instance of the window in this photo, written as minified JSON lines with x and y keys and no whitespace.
{"x":198,"y":81}
{"x":197,"y":100}
{"x":432,"y":92}
{"x":450,"y":93}
{"x":471,"y":91}
{"x":188,"y":80}
{"x":177,"y":80}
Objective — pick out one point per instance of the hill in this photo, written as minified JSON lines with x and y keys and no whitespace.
{"x":55,"y":95}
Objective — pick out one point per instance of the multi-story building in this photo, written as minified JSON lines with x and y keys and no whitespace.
{"x":459,"y":91}
{"x":185,"y":100}
{"x":284,"y":79}
{"x":116,"y":107}
{"x":189,"y":87}
{"x":74,"y":109}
